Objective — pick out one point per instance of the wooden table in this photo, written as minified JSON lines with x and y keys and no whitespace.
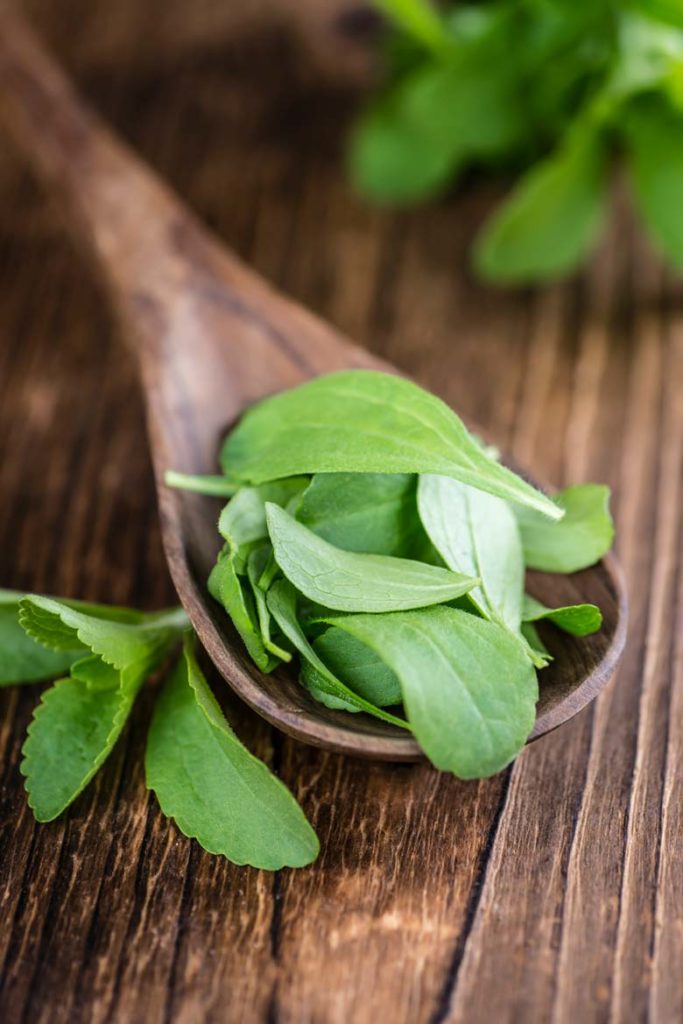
{"x":551,"y":892}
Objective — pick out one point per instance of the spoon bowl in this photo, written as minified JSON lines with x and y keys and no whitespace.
{"x":211,"y":337}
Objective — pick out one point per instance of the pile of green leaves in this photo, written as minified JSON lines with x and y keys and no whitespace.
{"x":202,"y":775}
{"x":549,"y":89}
{"x":372,"y":536}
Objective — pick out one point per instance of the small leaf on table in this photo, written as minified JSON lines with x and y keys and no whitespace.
{"x":215,"y":790}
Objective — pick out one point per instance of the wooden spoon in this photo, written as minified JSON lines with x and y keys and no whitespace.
{"x":211,"y":337}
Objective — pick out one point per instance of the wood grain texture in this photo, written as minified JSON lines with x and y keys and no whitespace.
{"x":552,"y":892}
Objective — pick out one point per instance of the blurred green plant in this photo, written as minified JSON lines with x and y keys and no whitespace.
{"x":551,"y":90}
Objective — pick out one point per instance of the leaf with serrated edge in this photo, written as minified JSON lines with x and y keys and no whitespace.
{"x":73,"y":731}
{"x":79,"y":719}
{"x":22,"y":659}
{"x":214,"y":789}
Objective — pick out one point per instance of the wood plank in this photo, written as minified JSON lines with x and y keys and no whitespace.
{"x":552,"y":892}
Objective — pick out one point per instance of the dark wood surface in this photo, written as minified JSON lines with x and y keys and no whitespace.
{"x":550,"y":892}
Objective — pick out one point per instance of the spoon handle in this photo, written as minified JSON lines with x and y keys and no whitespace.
{"x":143,"y":241}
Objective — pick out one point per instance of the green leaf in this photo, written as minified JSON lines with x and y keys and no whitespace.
{"x":282,"y":600}
{"x":577,"y":619}
{"x":214,"y":789}
{"x":346,"y":581}
{"x":242,"y":522}
{"x":363,"y":421}
{"x":22,"y":659}
{"x":226,"y":588}
{"x":476,"y":533}
{"x":62,"y":627}
{"x":581,"y":539}
{"x":413,"y":141}
{"x":649,"y":54}
{"x":73,"y":731}
{"x":371,"y":513}
{"x":355,"y":664}
{"x":420,"y":19}
{"x":551,"y":220}
{"x":655,"y":149}
{"x":79,"y":719}
{"x":258,"y":560}
{"x":468,"y":688}
{"x":542,"y":656}
{"x":669,"y":11}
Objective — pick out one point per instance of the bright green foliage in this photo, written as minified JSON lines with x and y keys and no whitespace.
{"x":544,"y":90}
{"x":468,"y":687}
{"x":580,"y":539}
{"x":654,"y":134}
{"x":22,"y":660}
{"x":396,"y":570}
{"x":576,"y":619}
{"x":363,"y":421}
{"x":80,"y":718}
{"x":375,"y":513}
{"x":217,"y":792}
{"x":282,"y":601}
{"x":551,"y":220}
{"x":357,"y":665}
{"x":476,"y":533}
{"x":346,"y":581}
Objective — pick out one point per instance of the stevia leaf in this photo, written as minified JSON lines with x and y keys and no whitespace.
{"x":256,"y":565}
{"x":476,"y":533}
{"x":582,"y":537}
{"x":22,"y":659}
{"x":669,"y":11}
{"x":62,"y":627}
{"x":362,"y":421}
{"x":413,"y":140}
{"x":649,"y":54}
{"x":357,"y":666}
{"x":79,"y":719}
{"x":420,"y":19}
{"x":655,"y":151}
{"x":551,"y":220}
{"x":346,"y":581}
{"x":543,"y":657}
{"x":371,"y":513}
{"x":226,"y":587}
{"x":468,"y":688}
{"x":577,"y":619}
{"x":282,"y":601}
{"x":242,"y":522}
{"x":214,"y":789}
{"x":73,"y":731}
